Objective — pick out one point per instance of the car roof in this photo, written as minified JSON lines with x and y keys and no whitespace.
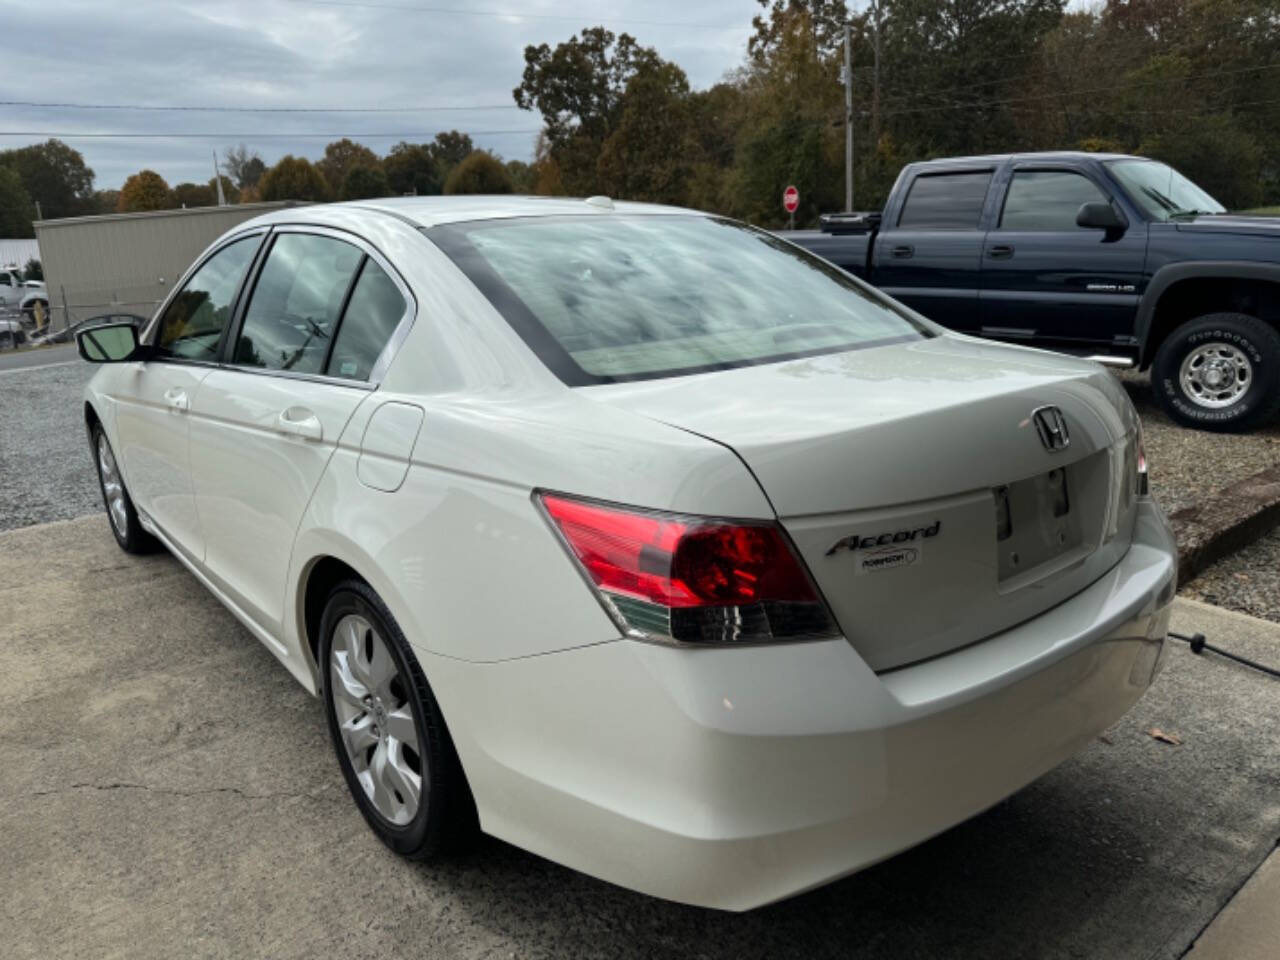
{"x":434,"y":211}
{"x":1050,"y":156}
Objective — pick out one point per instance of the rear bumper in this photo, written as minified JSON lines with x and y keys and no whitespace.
{"x":732,"y":778}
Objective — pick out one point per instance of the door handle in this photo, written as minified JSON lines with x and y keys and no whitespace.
{"x":176,"y":398}
{"x":903,"y":252}
{"x":1001,"y":251}
{"x":300,"y":422}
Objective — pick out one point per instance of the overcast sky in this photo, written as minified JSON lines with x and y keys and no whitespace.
{"x":308,"y":53}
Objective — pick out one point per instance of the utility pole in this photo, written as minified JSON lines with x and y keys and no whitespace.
{"x":875,"y":72}
{"x":39,"y":215}
{"x":848,"y":120}
{"x":217,"y":178}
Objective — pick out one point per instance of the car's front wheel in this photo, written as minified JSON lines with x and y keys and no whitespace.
{"x":387,"y":729}
{"x":115,"y":497}
{"x":1219,"y":372}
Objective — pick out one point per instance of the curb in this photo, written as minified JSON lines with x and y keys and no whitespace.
{"x":1231,"y":518}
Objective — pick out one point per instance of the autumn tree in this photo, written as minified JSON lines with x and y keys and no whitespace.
{"x":293,"y":178}
{"x":340,"y":157}
{"x":411,"y":168}
{"x":479,"y":173}
{"x":145,"y":190}
{"x":363,"y":182}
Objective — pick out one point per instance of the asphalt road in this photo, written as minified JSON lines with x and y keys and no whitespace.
{"x":42,"y":357}
{"x":169,"y":791}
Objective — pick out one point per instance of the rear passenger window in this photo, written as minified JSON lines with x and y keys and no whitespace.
{"x":1047,"y":200}
{"x":946,"y":201}
{"x":373,"y":314}
{"x":297,"y":301}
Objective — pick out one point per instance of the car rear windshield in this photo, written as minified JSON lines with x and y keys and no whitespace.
{"x":607,"y":298}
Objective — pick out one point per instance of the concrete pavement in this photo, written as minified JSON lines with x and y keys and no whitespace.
{"x":168,"y":791}
{"x":37,"y":357}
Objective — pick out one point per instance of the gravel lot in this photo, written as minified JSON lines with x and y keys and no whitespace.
{"x":1186,"y":465}
{"x":46,"y":472}
{"x":1248,"y":581}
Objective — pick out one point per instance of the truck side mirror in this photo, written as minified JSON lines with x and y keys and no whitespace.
{"x":1099,"y":215}
{"x":109,"y":343}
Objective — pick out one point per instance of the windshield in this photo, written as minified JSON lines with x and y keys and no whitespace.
{"x":602,"y":299}
{"x":1161,"y":191}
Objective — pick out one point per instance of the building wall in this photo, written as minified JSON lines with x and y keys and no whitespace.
{"x":127,"y":262}
{"x":18,"y":252}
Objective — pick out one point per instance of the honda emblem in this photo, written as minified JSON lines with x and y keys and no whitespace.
{"x":1052,"y":427}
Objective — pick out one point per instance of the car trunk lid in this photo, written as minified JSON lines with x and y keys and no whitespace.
{"x":891,"y":469}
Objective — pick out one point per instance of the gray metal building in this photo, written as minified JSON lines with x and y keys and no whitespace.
{"x":127,"y":262}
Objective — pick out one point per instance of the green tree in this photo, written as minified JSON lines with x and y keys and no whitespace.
{"x":524,"y":176}
{"x":479,"y":173}
{"x":145,"y":190}
{"x":293,"y":178}
{"x":194,"y":195}
{"x":364,"y":182}
{"x":55,"y":176}
{"x":823,"y":19}
{"x":449,"y":149}
{"x":34,"y":270}
{"x":411,"y":168}
{"x":16,"y":209}
{"x":340,"y":157}
{"x":230,"y":192}
{"x":650,"y":154}
{"x":1215,"y":153}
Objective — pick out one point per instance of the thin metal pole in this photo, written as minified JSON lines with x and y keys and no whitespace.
{"x":217,"y":178}
{"x":848,"y":120}
{"x":875,"y":72}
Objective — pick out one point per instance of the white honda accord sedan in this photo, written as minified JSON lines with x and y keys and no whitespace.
{"x":638,"y":537}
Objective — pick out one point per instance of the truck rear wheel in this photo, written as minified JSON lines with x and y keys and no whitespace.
{"x":1219,"y":372}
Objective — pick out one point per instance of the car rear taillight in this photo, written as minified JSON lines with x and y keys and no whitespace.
{"x":676,"y":578}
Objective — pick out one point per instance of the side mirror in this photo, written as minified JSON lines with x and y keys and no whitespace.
{"x":109,"y":343}
{"x":1099,"y":215}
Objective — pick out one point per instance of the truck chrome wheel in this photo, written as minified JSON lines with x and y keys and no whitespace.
{"x":112,"y":487}
{"x":1215,"y":375}
{"x":375,"y":719}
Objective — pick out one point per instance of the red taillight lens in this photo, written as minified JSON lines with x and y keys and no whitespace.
{"x":670,"y":577}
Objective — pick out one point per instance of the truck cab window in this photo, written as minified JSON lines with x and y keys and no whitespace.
{"x":946,"y":201}
{"x":1047,"y":200}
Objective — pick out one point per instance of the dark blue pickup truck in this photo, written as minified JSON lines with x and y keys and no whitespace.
{"x":1110,"y":256}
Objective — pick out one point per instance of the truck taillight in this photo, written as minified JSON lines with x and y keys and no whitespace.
{"x":676,"y":578}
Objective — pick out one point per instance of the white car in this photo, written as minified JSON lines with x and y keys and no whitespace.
{"x":639,"y":538}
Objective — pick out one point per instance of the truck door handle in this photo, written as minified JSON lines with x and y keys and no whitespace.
{"x":1001,"y":251}
{"x":300,"y":422}
{"x":903,"y":252}
{"x":176,"y":398}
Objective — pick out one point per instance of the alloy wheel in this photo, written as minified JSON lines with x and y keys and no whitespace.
{"x":112,"y":487}
{"x":375,"y":720}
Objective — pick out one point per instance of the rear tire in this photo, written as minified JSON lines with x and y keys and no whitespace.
{"x":115,"y":497}
{"x":387,"y":729}
{"x":1219,"y":372}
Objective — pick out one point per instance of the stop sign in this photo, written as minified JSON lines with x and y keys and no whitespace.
{"x":790,"y":199}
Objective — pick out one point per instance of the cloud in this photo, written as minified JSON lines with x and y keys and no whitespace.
{"x":291,"y":53}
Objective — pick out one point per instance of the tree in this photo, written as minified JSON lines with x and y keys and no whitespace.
{"x":578,"y":87}
{"x":194,"y":195}
{"x":449,"y":149}
{"x":55,"y":176}
{"x":34,"y":270}
{"x":105,"y":201}
{"x":293,"y":178}
{"x":412,"y":168}
{"x":16,"y":209}
{"x":824,"y":20}
{"x":364,"y":182}
{"x":524,"y":176}
{"x":339,"y":157}
{"x":479,"y":173}
{"x":243,"y":165}
{"x":145,"y":190}
{"x":650,"y":154}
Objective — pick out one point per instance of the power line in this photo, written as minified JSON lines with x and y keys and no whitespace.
{"x":214,"y":109}
{"x":247,"y":136}
{"x":510,"y":14}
